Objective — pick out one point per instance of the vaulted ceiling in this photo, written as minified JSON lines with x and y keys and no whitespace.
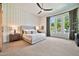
{"x":57,"y":8}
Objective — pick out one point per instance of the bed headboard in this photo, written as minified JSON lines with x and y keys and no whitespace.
{"x":22,"y":27}
{"x":28,"y":27}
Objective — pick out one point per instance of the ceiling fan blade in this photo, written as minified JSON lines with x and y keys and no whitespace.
{"x":47,"y":9}
{"x":39,"y":5}
{"x":39,"y":12}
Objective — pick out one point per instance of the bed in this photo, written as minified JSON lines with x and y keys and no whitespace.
{"x":30,"y":34}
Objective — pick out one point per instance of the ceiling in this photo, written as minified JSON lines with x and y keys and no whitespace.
{"x":57,"y":7}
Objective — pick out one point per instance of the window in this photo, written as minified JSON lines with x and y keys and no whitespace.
{"x":52,"y":24}
{"x":66,"y":22}
{"x":59,"y":24}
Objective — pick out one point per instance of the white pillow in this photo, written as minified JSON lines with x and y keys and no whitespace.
{"x":30,"y":31}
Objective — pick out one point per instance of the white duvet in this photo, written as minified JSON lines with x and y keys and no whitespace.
{"x":34,"y":38}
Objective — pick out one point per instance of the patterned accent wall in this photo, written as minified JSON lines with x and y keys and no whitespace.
{"x":16,"y":16}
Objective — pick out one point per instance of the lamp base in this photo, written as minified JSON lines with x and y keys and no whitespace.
{"x":14,"y":31}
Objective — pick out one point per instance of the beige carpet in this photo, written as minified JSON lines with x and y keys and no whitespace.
{"x":14,"y":45}
{"x":49,"y":47}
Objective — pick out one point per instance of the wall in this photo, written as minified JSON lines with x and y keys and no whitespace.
{"x":43,"y":23}
{"x":16,"y":16}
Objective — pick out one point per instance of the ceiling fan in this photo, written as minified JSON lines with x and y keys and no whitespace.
{"x":42,"y":9}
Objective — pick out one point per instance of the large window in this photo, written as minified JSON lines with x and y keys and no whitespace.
{"x":66,"y":22}
{"x":52,"y":24}
{"x":59,"y":24}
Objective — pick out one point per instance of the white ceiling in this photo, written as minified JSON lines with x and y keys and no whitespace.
{"x":57,"y":7}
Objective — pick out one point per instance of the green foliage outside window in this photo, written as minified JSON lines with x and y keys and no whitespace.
{"x":52,"y":27}
{"x":52,"y":24}
{"x":58,"y":24}
{"x":66,"y":23}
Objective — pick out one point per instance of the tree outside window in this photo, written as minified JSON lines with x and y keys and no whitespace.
{"x":52,"y":24}
{"x":66,"y":23}
{"x":59,"y":24}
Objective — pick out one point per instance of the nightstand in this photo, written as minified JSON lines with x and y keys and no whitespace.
{"x":15,"y":37}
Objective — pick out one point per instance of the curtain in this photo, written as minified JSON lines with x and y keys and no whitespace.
{"x":73,"y":23}
{"x":48,"y":26}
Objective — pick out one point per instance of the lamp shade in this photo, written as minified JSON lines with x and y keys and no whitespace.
{"x":37,"y":27}
{"x":14,"y":29}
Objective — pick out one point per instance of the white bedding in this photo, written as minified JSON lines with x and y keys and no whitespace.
{"x":34,"y":38}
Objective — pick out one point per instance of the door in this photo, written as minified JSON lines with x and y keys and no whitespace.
{"x":1,"y":33}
